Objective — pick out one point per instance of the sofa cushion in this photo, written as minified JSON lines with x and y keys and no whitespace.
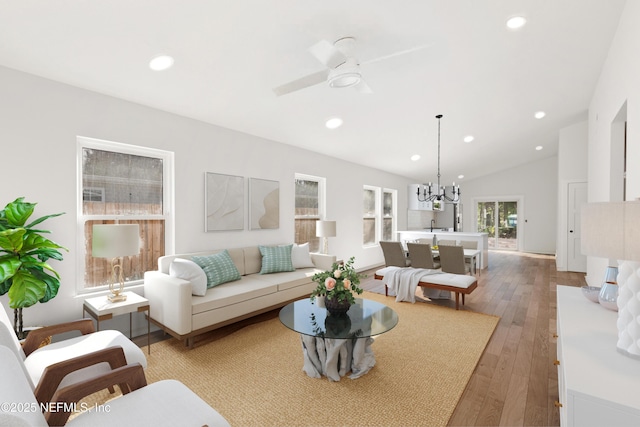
{"x":189,"y":270}
{"x":300,"y":257}
{"x":290,"y":279}
{"x":276,"y":259}
{"x":247,"y":288}
{"x":252,"y":260}
{"x":219,"y":268}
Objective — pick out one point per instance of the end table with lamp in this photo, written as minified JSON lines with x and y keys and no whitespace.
{"x":101,"y":308}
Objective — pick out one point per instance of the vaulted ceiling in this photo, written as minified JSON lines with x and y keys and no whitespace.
{"x":487,"y":80}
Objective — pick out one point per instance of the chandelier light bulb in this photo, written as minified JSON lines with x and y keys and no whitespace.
{"x":428,"y":194}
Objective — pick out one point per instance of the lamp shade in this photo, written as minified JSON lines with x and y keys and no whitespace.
{"x":611,"y":230}
{"x":115,"y":240}
{"x":325,"y":229}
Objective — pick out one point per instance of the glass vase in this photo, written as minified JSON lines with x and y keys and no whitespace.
{"x":608,"y":296}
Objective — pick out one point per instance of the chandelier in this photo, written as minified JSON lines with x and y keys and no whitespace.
{"x":430,"y":194}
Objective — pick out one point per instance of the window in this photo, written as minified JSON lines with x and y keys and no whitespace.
{"x":129,"y":185}
{"x":388,"y":214}
{"x":309,"y":208}
{"x":370,"y":212}
{"x":500,"y":220}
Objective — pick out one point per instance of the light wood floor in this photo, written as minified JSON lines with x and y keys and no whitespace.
{"x":515,"y":382}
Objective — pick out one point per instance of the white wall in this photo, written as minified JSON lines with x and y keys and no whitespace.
{"x":619,"y":84}
{"x":572,"y":168}
{"x":40,"y":122}
{"x":536,"y":184}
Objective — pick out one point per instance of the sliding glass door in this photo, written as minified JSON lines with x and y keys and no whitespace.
{"x":500,"y":220}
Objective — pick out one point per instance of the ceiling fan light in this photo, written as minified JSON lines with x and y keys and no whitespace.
{"x":340,"y":80}
{"x":161,"y":62}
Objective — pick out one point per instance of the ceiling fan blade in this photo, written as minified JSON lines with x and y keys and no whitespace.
{"x":363,"y":87}
{"x":401,"y":52}
{"x":327,"y":54}
{"x":301,"y":83}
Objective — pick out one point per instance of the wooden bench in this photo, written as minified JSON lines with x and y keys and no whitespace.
{"x":460,"y":284}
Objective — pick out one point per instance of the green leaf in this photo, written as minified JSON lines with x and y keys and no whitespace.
{"x":44,"y":218}
{"x":12,"y":240}
{"x":45,"y":254}
{"x":5,"y":286}
{"x":18,"y":212}
{"x":26,"y":290}
{"x":9,"y":265}
{"x":53,"y":285}
{"x":31,"y":263}
{"x":36,"y":241}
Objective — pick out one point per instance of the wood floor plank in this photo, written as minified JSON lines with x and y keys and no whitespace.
{"x":515,"y":382}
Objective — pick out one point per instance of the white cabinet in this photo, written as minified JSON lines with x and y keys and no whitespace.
{"x":597,"y":385}
{"x":412,"y":197}
{"x":415,"y":205}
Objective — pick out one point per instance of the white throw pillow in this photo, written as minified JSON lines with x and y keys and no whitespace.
{"x":300,"y":256}
{"x":189,"y":270}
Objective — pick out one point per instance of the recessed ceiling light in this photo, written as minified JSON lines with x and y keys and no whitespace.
{"x":161,"y":62}
{"x":468,"y":138}
{"x":333,"y":123}
{"x":460,"y":176}
{"x":539,"y":114}
{"x":539,"y":147}
{"x":516,"y":22}
{"x":415,"y":157}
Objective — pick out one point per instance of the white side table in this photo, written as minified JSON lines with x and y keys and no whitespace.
{"x":100,"y":308}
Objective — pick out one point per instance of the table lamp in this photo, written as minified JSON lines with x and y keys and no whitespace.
{"x":612,"y":230}
{"x":325,"y":229}
{"x":116,"y":241}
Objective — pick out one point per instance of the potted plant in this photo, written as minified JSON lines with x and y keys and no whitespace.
{"x":337,"y":286}
{"x":24,"y":272}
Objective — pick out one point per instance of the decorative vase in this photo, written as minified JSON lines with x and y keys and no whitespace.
{"x":320,"y":301}
{"x":338,"y":325}
{"x":336,"y":307}
{"x":608,"y":296}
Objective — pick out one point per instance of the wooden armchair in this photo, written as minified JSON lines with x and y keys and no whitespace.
{"x":165,"y":403}
{"x":52,"y":366}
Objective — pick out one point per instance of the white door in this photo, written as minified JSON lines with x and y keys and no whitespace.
{"x":577,"y":196}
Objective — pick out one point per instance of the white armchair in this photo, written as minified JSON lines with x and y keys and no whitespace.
{"x":37,"y":362}
{"x":164,"y":403}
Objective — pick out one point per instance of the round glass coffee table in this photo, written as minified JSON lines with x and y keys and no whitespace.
{"x":334,"y":345}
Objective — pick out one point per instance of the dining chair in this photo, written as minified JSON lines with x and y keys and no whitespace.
{"x":452,"y":260}
{"x":421,"y":256}
{"x":446,"y":243}
{"x":394,"y":254}
{"x":469,"y":244}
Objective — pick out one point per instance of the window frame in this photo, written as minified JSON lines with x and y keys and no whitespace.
{"x":376,"y":216}
{"x":394,"y":212}
{"x":168,"y":201}
{"x":322,"y":200}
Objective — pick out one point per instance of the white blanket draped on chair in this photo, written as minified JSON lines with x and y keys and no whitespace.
{"x":404,"y":281}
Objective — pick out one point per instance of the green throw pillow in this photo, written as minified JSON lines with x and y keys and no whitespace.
{"x":219,"y":268}
{"x":276,"y":259}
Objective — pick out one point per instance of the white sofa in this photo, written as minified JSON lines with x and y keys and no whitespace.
{"x":178,"y":312}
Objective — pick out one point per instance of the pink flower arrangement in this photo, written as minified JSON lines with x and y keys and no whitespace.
{"x":340,"y":282}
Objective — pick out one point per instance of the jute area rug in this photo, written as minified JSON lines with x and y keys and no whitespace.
{"x":254,"y":376}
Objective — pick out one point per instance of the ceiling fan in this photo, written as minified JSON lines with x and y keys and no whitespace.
{"x":343,"y":68}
